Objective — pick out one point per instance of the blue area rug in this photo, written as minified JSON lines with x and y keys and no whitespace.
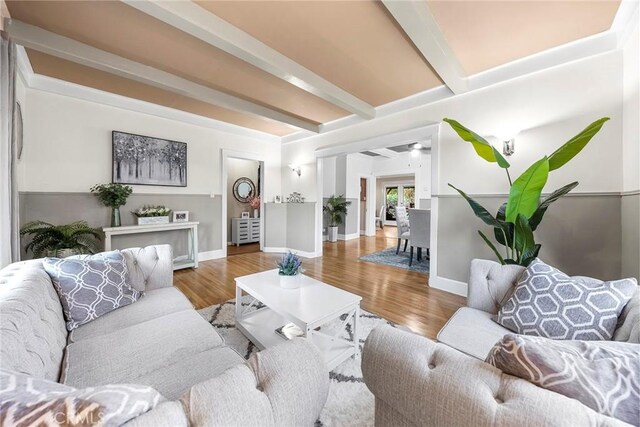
{"x":388,"y":257}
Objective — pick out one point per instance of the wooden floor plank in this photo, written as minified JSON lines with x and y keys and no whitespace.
{"x":399,"y":295}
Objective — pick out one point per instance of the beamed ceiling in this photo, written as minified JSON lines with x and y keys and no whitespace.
{"x":282,"y":66}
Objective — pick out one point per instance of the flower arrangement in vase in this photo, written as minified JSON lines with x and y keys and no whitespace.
{"x":152,"y":215}
{"x":112,"y":195}
{"x":290,"y":271}
{"x":254,"y":202}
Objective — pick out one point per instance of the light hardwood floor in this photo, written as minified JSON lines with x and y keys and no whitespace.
{"x":401,"y":296}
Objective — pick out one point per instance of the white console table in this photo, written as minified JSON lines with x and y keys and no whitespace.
{"x":191,"y":227}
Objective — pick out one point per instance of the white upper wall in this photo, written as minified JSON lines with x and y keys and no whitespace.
{"x":631,"y":115}
{"x":67,"y":147}
{"x":547,"y":107}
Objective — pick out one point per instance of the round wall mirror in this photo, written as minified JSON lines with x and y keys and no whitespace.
{"x":243,"y":190}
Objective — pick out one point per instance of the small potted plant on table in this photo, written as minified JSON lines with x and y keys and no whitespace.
{"x":112,"y":195}
{"x":152,"y":215}
{"x":290,"y":271}
{"x":336,"y":209}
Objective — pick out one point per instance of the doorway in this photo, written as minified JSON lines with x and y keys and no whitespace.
{"x":398,"y":195}
{"x":243,"y":205}
{"x":363,"y":206}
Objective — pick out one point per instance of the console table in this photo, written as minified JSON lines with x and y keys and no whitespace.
{"x":191,"y":227}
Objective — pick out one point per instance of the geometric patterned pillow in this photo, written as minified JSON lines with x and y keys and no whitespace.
{"x":603,"y":375}
{"x":91,"y":286}
{"x":548,"y":303}
{"x":28,"y":401}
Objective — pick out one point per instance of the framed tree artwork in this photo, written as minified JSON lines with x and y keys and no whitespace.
{"x":144,"y":160}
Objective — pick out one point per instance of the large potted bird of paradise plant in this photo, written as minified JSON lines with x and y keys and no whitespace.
{"x":518,"y":218}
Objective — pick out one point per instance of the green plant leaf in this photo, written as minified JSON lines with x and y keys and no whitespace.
{"x":506,"y":228}
{"x":530,"y":255}
{"x":536,"y":218}
{"x":524,"y":195}
{"x":482,"y":147}
{"x":492,"y":246}
{"x":524,"y":241}
{"x":572,"y":147}
{"x":478,"y":209}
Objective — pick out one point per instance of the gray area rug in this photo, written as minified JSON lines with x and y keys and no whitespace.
{"x":350,"y":403}
{"x":388,"y":257}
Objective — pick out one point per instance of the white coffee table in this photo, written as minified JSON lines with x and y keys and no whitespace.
{"x":312,"y":305}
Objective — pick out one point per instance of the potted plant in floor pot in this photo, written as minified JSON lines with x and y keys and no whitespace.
{"x":290,"y":271}
{"x":336,"y":210}
{"x":112,"y":195}
{"x":60,"y":240}
{"x":152,"y":215}
{"x":518,"y":218}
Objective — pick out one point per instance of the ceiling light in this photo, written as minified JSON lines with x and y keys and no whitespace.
{"x":417,"y":146}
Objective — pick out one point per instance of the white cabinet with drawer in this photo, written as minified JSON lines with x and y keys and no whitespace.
{"x":245,"y":230}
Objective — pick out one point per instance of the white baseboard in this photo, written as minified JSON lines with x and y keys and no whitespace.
{"x":348,"y":236}
{"x":205,"y":256}
{"x":448,"y":285}
{"x":303,"y":254}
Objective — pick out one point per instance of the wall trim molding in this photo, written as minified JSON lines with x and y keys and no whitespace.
{"x":348,"y":236}
{"x":303,"y":254}
{"x":630,"y":193}
{"x":448,"y":285}
{"x":63,"y":193}
{"x":505,"y":195}
{"x":208,"y":255}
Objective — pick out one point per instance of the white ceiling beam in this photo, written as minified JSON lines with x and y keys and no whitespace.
{"x":53,"y":44}
{"x":204,"y":25}
{"x":420,"y":25}
{"x":385,"y":152}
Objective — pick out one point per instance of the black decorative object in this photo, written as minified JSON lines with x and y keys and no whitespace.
{"x":244,"y":189}
{"x":144,"y":160}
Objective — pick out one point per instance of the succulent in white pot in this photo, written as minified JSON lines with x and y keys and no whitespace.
{"x":152,"y":215}
{"x":290,"y":271}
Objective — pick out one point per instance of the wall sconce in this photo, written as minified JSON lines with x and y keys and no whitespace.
{"x":509,"y":147}
{"x":296,"y":169}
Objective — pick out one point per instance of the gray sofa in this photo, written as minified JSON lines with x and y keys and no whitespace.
{"x":418,"y":382}
{"x":160,"y":341}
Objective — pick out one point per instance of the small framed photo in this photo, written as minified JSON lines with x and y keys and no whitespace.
{"x":245,"y":215}
{"x":277,"y":199}
{"x":180,"y":216}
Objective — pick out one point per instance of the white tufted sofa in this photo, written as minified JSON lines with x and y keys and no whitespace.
{"x":160,"y":341}
{"x":418,"y":382}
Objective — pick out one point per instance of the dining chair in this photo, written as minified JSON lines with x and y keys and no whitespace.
{"x":420,"y":220}
{"x":402,"y":224}
{"x":380,"y":218}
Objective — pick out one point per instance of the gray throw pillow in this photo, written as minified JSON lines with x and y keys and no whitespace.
{"x":29,"y":401}
{"x":91,"y":286}
{"x":603,"y":375}
{"x":548,"y":303}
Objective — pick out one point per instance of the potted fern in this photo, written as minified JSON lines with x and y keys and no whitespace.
{"x":336,"y":210}
{"x":60,"y":240}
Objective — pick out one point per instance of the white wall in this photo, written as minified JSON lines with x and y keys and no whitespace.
{"x":548,"y":107}
{"x":631,"y":115}
{"x":68,"y":147}
{"x":328,"y":177}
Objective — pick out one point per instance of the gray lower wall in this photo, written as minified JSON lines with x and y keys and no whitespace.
{"x":301,"y":226}
{"x":290,"y":225}
{"x":275,"y":225}
{"x":61,"y":208}
{"x":580,"y":235}
{"x":630,"y":215}
{"x":351,"y":222}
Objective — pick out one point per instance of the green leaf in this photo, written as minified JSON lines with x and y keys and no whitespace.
{"x":482,"y":147}
{"x":491,"y":245}
{"x":530,"y":255}
{"x":524,"y":241}
{"x":572,"y":147}
{"x":536,"y":218}
{"x":506,"y":227}
{"x":478,"y":209}
{"x":524,"y":195}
